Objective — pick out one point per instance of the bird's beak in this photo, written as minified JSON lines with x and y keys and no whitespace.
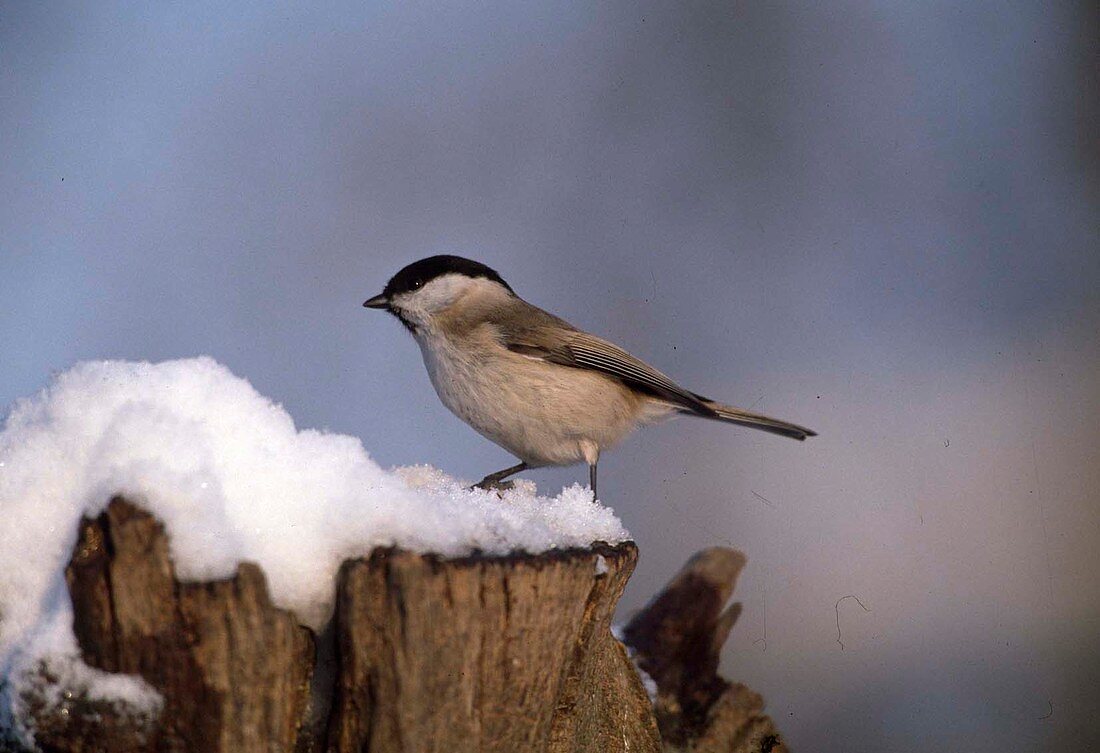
{"x":380,"y":301}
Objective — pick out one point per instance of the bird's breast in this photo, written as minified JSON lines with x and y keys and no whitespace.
{"x":541,"y":412}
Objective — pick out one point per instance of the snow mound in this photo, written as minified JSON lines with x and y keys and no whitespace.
{"x":233,"y":480}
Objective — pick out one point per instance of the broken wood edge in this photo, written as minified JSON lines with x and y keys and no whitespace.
{"x":232,"y":668}
{"x":540,"y":658}
{"x":677,"y":639}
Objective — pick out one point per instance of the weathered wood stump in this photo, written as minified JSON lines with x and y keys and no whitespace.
{"x":487,"y":654}
{"x":479,"y":653}
{"x":233,"y":669}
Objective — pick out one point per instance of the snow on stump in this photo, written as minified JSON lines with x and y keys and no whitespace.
{"x":228,"y":615}
{"x":234,"y":671}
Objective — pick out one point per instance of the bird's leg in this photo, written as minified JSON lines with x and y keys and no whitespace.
{"x":493,"y":480}
{"x":591,"y":452}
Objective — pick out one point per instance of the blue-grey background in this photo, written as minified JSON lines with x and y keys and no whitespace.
{"x":877,"y":219}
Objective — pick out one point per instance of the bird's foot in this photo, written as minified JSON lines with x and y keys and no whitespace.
{"x":494,"y":486}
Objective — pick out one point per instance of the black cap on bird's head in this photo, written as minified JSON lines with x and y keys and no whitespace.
{"x":419,"y":273}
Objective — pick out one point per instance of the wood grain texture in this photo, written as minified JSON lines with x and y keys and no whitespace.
{"x":233,"y":669}
{"x":486,"y":654}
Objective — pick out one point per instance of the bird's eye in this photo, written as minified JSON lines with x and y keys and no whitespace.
{"x":417,"y":284}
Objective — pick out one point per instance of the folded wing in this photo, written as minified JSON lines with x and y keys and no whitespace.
{"x":554,"y":340}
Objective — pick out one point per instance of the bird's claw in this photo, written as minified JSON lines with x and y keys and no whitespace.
{"x":494,"y":486}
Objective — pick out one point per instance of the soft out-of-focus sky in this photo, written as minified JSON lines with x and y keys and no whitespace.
{"x":881,"y":220}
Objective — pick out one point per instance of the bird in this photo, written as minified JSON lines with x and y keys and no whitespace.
{"x":547,"y":392}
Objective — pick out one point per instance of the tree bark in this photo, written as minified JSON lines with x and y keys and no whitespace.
{"x":233,"y":669}
{"x":487,"y":654}
{"x":511,"y":654}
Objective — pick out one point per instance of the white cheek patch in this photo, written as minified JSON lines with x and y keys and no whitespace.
{"x":438,"y":294}
{"x":441,"y":292}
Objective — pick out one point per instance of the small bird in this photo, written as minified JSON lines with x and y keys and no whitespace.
{"x":534,"y":384}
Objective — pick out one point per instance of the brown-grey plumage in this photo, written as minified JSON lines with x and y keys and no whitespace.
{"x":528,"y":380}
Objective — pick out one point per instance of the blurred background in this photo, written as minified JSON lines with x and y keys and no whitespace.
{"x":880,"y":220}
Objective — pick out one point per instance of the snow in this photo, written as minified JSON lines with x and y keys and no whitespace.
{"x":64,"y":678}
{"x":648,"y":683}
{"x":601,"y":565}
{"x":47,"y":669}
{"x":233,"y":480}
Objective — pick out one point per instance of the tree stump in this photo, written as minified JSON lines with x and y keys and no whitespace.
{"x":233,"y":669}
{"x":487,"y":654}
{"x":480,"y":653}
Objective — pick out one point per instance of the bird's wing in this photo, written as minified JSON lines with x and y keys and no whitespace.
{"x":551,"y":339}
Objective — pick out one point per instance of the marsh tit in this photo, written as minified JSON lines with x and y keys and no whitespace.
{"x":536,"y":385}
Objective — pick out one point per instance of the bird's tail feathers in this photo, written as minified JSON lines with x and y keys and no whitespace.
{"x":741,"y":417}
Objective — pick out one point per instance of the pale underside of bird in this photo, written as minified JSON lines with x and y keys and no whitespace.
{"x":529,"y":381}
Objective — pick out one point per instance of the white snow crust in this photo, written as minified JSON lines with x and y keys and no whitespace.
{"x":233,"y":480}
